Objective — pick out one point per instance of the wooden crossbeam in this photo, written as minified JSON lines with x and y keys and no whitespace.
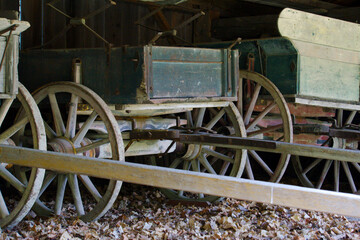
{"x":270,"y":193}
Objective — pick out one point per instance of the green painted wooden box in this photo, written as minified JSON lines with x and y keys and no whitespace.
{"x":147,"y":74}
{"x":316,"y":58}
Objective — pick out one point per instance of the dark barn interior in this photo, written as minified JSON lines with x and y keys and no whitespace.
{"x":120,"y":25}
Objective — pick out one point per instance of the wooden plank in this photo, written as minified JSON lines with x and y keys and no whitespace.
{"x":317,"y":29}
{"x":309,"y":49}
{"x":327,"y":79}
{"x":272,"y":193}
{"x":134,"y":107}
{"x":6,"y":23}
{"x":298,"y":110}
{"x":323,"y":103}
{"x":53,"y":24}
{"x":31,"y":12}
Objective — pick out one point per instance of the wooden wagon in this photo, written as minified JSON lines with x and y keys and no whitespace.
{"x":174,"y":105}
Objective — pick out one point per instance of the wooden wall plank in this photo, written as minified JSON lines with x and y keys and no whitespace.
{"x":31,"y":12}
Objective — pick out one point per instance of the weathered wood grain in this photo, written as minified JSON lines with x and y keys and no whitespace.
{"x":292,"y":196}
{"x":317,"y":29}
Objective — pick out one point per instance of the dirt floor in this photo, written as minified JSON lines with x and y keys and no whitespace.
{"x":144,"y":213}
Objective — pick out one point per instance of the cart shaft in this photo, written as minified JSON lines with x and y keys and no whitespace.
{"x":271,"y":193}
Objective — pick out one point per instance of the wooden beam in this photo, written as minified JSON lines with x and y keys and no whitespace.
{"x":164,"y":24}
{"x":270,"y":193}
{"x":298,"y":4}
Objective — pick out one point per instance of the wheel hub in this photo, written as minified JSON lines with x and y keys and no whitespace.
{"x":64,"y":145}
{"x":192,"y":152}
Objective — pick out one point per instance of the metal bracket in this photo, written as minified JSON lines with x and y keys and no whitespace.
{"x":237,"y":41}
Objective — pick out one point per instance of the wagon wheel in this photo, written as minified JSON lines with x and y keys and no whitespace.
{"x":75,"y":137}
{"x":10,"y":215}
{"x":204,"y":158}
{"x":272,"y":121}
{"x":331,"y":174}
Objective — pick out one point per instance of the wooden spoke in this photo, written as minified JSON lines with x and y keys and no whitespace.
{"x":57,"y":118}
{"x":200,"y":117}
{"x":350,"y":118}
{"x":261,"y":162}
{"x":5,"y":106}
{"x":64,"y":98}
{"x":72,"y":115}
{"x":250,"y":109}
{"x":258,"y":105}
{"x":248,"y":169}
{"x":195,"y":166}
{"x":265,"y":130}
{"x":20,"y":173}
{"x":357,"y":166}
{"x":27,"y":181}
{"x":206,"y":164}
{"x":215,"y":119}
{"x":217,"y":155}
{"x":312,"y":165}
{"x":214,"y":112}
{"x":339,"y":118}
{"x":349,"y":176}
{"x":261,"y":116}
{"x":92,"y":146}
{"x":200,"y":158}
{"x":61,"y":185}
{"x":11,"y":179}
{"x":50,"y":133}
{"x":4,"y":211}
{"x":186,"y":165}
{"x":90,"y":187}
{"x":336,"y":176}
{"x":190,"y":123}
{"x":308,"y":174}
{"x":176,"y":163}
{"x":84,"y":129}
{"x":74,"y":186}
{"x":224,"y":168}
{"x":8,"y":133}
{"x":324,"y":173}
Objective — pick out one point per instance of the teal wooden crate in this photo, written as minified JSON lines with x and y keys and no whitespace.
{"x":147,"y":74}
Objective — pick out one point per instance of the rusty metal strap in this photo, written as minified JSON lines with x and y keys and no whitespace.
{"x":217,"y":139}
{"x":9,"y":29}
{"x":349,"y":134}
{"x":201,"y":138}
{"x":155,"y":134}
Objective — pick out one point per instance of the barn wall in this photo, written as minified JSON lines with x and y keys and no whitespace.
{"x":116,"y":24}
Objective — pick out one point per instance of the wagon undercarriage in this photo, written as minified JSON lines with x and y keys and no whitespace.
{"x":200,"y":123}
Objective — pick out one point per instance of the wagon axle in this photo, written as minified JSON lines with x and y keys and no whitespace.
{"x":251,"y":144}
